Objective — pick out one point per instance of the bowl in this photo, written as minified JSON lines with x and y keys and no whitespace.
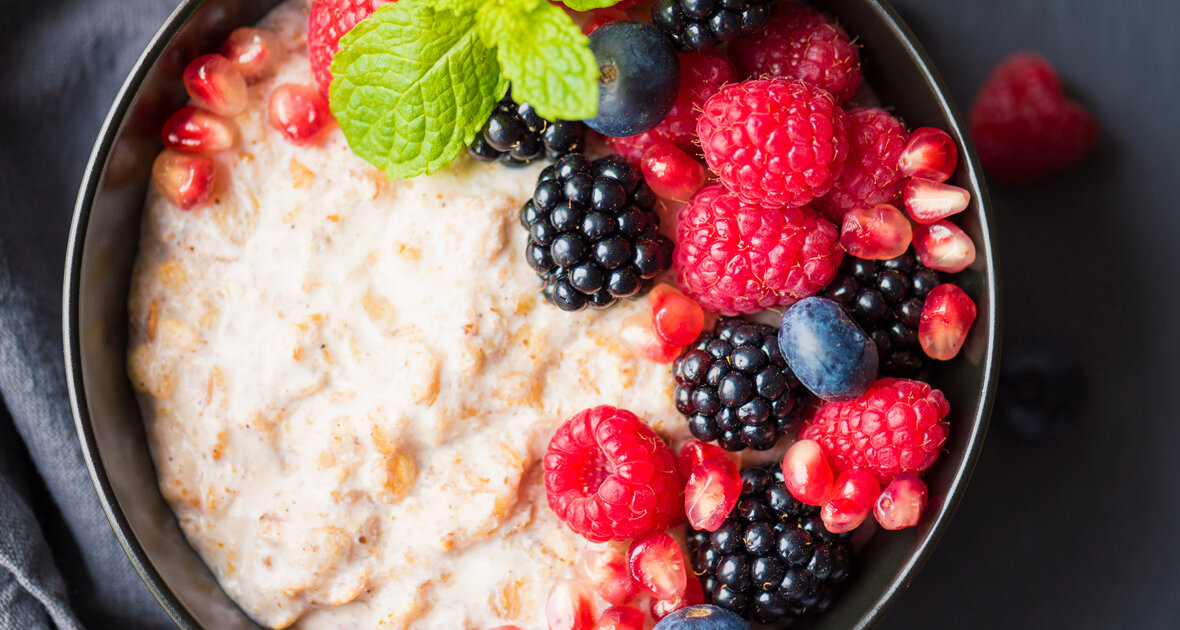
{"x":103,"y":244}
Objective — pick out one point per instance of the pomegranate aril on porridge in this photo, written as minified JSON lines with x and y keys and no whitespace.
{"x":675,"y":318}
{"x":214,"y":83}
{"x":901,"y":502}
{"x":607,"y":572}
{"x":639,"y":334}
{"x":927,"y":201}
{"x":299,"y":112}
{"x":569,"y":607}
{"x":944,"y":246}
{"x":620,"y":618}
{"x":693,"y":595}
{"x":807,"y":474}
{"x":878,"y":233}
{"x":254,"y":52}
{"x":194,"y":130}
{"x":186,"y":181}
{"x":930,"y":154}
{"x":657,"y":565}
{"x":672,"y":173}
{"x":711,"y":492}
{"x":695,"y":452}
{"x":946,"y":319}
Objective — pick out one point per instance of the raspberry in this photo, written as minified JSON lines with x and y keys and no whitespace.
{"x":328,"y":21}
{"x":897,"y":426}
{"x":801,"y":43}
{"x":775,"y":142}
{"x":734,"y":257}
{"x":1024,"y":126}
{"x":608,"y":476}
{"x":871,"y":174}
{"x":701,"y":75}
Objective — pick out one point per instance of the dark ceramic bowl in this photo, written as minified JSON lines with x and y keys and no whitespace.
{"x":103,"y":243}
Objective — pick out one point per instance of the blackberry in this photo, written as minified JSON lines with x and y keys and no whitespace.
{"x":593,"y":234}
{"x":517,"y":136}
{"x":772,"y":558}
{"x":735,"y":387}
{"x":700,"y":24}
{"x":886,"y":297}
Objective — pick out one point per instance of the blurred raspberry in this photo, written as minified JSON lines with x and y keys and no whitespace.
{"x":871,"y":174}
{"x":327,"y":22}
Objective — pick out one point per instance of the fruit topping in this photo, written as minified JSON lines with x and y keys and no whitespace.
{"x":194,"y":130}
{"x":695,"y":452}
{"x":897,"y":426}
{"x":693,"y":595}
{"x":593,"y":234}
{"x":1042,"y":390}
{"x":901,"y":502}
{"x":711,"y":492}
{"x":735,"y":257}
{"x":927,"y":201}
{"x":254,"y":52}
{"x":608,"y":476}
{"x":638,"y":333}
{"x":855,"y":494}
{"x":516,"y":136}
{"x":186,"y":181}
{"x":601,"y":17}
{"x":672,"y":173}
{"x":569,"y":607}
{"x":942,"y":246}
{"x":946,"y":319}
{"x":215,"y":84}
{"x":871,"y":175}
{"x":608,"y":574}
{"x":877,"y":233}
{"x":327,"y":22}
{"x":657,"y":565}
{"x":620,"y":618}
{"x":639,"y":77}
{"x":930,"y":154}
{"x":807,"y":474}
{"x":827,"y":350}
{"x":699,"y":24}
{"x":735,"y":387}
{"x":676,"y":319}
{"x":299,"y":112}
{"x":702,"y":617}
{"x":774,"y":142}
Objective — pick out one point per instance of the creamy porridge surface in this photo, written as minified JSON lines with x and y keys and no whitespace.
{"x":348,"y":383}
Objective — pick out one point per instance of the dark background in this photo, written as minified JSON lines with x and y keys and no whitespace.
{"x":1074,"y":532}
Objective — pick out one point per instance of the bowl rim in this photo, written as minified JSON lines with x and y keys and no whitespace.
{"x":72,"y":351}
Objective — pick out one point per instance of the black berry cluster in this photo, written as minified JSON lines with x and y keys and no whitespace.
{"x":700,"y":24}
{"x":517,"y":136}
{"x":593,"y":234}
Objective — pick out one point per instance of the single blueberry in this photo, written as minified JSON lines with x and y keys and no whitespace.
{"x":639,"y":77}
{"x":702,"y":617}
{"x":827,"y":351}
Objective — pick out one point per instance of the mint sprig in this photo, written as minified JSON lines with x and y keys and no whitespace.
{"x":414,"y":82}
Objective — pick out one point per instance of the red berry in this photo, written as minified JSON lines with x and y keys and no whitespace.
{"x":774,"y":142}
{"x":856,"y":493}
{"x":254,"y":52}
{"x":944,"y":247}
{"x":638,"y":334}
{"x":878,"y":233}
{"x":947,"y":317}
{"x":807,"y":474}
{"x":898,"y":425}
{"x":672,"y":173}
{"x":569,"y":607}
{"x":1024,"y":126}
{"x":695,"y":452}
{"x":871,"y":175}
{"x":734,"y":257}
{"x":215,"y":84}
{"x":657,"y":564}
{"x":608,"y":573}
{"x":608,"y":476}
{"x":599,"y":17}
{"x":299,"y":112}
{"x":712,"y":490}
{"x":901,"y":502}
{"x":620,"y":618}
{"x":927,"y":201}
{"x":186,"y":181}
{"x":327,"y":22}
{"x":194,"y":130}
{"x":693,"y":595}
{"x":675,"y":318}
{"x":506,"y":628}
{"x":930,"y":154}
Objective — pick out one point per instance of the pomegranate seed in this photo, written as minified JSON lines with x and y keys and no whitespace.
{"x":637,"y":334}
{"x":695,"y":451}
{"x":672,"y":173}
{"x":927,"y":201}
{"x":946,"y":319}
{"x":254,"y":52}
{"x":620,"y":618}
{"x":599,"y":17}
{"x":856,"y":492}
{"x":901,"y":502}
{"x":569,"y":607}
{"x":943,"y":246}
{"x":299,"y":112}
{"x":506,"y":628}
{"x":693,"y":595}
{"x":878,"y":233}
{"x":713,"y":489}
{"x":195,"y":130}
{"x":608,"y":574}
{"x":930,"y":154}
{"x":186,"y":181}
{"x":657,"y":564}
{"x":807,"y":473}
{"x":214,"y":83}
{"x":676,"y":318}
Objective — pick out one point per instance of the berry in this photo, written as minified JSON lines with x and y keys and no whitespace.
{"x":897,"y":426}
{"x":735,"y":387}
{"x":672,"y":173}
{"x":299,"y":112}
{"x":702,"y":617}
{"x":827,"y":350}
{"x":801,"y":43}
{"x":774,"y":142}
{"x":215,"y":84}
{"x":638,"y":333}
{"x":254,"y":52}
{"x":700,"y":24}
{"x":608,"y":476}
{"x":602,"y":17}
{"x":1024,"y":126}
{"x":930,"y":154}
{"x":927,"y":201}
{"x":569,"y":607}
{"x":871,"y":174}
{"x":886,"y":299}
{"x":772,"y":559}
{"x":194,"y":130}
{"x":711,"y":492}
{"x":695,"y":452}
{"x":1042,"y":389}
{"x":944,"y":247}
{"x":327,"y":22}
{"x":620,"y":618}
{"x":186,"y":181}
{"x":675,"y":318}
{"x":877,"y":233}
{"x":693,"y":595}
{"x":608,"y":574}
{"x":735,"y":257}
{"x":657,"y":565}
{"x":901,"y":503}
{"x":593,"y":234}
{"x":516,"y":136}
{"x":639,"y":77}
{"x":947,"y":316}
{"x":807,"y":474}
{"x":855,"y":494}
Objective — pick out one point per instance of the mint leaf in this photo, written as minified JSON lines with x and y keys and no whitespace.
{"x":545,"y":56}
{"x":588,"y":5}
{"x":459,"y":6}
{"x":411,"y":87}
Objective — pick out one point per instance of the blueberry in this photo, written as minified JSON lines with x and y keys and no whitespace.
{"x":640,"y":76}
{"x":702,"y":617}
{"x":827,"y":351}
{"x":1042,"y":389}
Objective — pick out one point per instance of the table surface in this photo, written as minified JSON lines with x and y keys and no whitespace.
{"x":1077,"y":532}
